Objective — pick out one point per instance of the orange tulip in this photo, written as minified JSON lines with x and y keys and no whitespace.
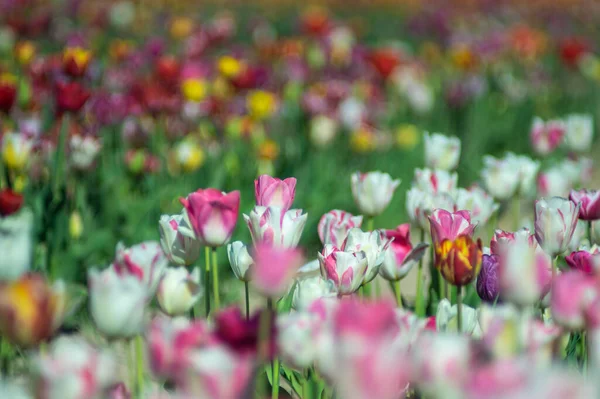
{"x":459,"y":261}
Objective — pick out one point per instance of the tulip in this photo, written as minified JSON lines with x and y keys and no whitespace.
{"x":580,"y":236}
{"x":240,"y":260}
{"x":559,"y":179}
{"x":323,"y":130}
{"x":478,"y":202}
{"x":16,"y":150}
{"x":242,"y":334}
{"x":590,"y":203}
{"x":420,"y":204}
{"x":309,"y":289}
{"x":507,"y":376}
{"x":296,"y":338}
{"x":271,"y":191}
{"x":334,"y":226}
{"x":441,"y":152}
{"x":449,"y":226}
{"x":488,"y":286}
{"x":555,"y":221}
{"x":373,"y":191}
{"x":579,"y":132}
{"x":194,"y":89}
{"x":83,"y":151}
{"x":212,"y":215}
{"x":345,"y":270}
{"x":502,"y":239}
{"x":117,"y":302}
{"x":446,"y":319}
{"x":546,"y":136}
{"x":70,"y":97}
{"x":16,"y":238}
{"x":180,"y":249}
{"x":524,"y":274}
{"x":189,"y":155}
{"x":75,"y":61}
{"x":372,"y":244}
{"x":586,"y":261}
{"x":179,"y":290}
{"x":401,"y":256}
{"x":31,"y":310}
{"x":171,"y":343}
{"x":274,"y":269}
{"x":572,"y":293}
{"x":351,"y":113}
{"x":435,"y":181}
{"x":73,"y":369}
{"x":261,"y":104}
{"x":146,"y":261}
{"x":275,"y":226}
{"x":8,"y":92}
{"x":459,"y":261}
{"x":514,"y":174}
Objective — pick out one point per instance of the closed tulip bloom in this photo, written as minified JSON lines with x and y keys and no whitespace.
{"x":274,"y":269}
{"x":345,"y":270}
{"x":579,"y":132}
{"x":441,"y":152}
{"x":179,"y":248}
{"x":212,"y":215}
{"x":373,"y":191}
{"x":70,"y":97}
{"x":449,"y":226}
{"x":546,"y":136}
{"x":435,"y":181}
{"x":275,"y":226}
{"x":420,"y":204}
{"x":270,"y":191}
{"x":73,"y":369}
{"x":179,"y":290}
{"x":585,"y":260}
{"x":501,"y":239}
{"x":309,"y":289}
{"x":590,"y":203}
{"x":117,"y":303}
{"x":145,"y":261}
{"x":505,"y":177}
{"x":334,"y":226}
{"x":240,"y":260}
{"x":479,"y":203}
{"x":16,"y":238}
{"x":75,"y":61}
{"x":400,"y":256}
{"x":373,"y":244}
{"x":555,"y":221}
{"x":572,"y":293}
{"x":459,"y":261}
{"x":31,"y":310}
{"x":488,"y":285}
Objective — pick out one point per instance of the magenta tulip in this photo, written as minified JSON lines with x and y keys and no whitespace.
{"x":401,"y":256}
{"x":586,"y":261}
{"x":590,"y":203}
{"x":274,"y":269}
{"x":270,"y":191}
{"x":572,"y":293}
{"x":448,"y":226}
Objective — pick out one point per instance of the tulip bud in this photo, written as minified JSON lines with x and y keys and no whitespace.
{"x":555,"y":221}
{"x":502,"y":239}
{"x":441,"y":152}
{"x":590,"y":203}
{"x":579,"y":132}
{"x":8,"y":92}
{"x":488,"y":286}
{"x":31,"y":310}
{"x":240,"y":260}
{"x":546,"y":136}
{"x":373,"y":191}
{"x":190,"y":156}
{"x":212,"y":215}
{"x":75,"y":225}
{"x":179,"y":248}
{"x":559,"y":179}
{"x":400,"y":257}
{"x":179,"y":290}
{"x":345,"y":270}
{"x":275,"y":226}
{"x":70,"y":97}
{"x":10,"y":202}
{"x":146,"y":261}
{"x":334,"y":226}
{"x":459,"y":261}
{"x":270,"y":191}
{"x":194,"y":89}
{"x":372,"y":244}
{"x":117,"y":303}
{"x":274,"y":269}
{"x":504,"y":178}
{"x":261,"y":104}
{"x":323,"y":130}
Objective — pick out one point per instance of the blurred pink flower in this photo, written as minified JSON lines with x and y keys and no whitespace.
{"x":270,"y":191}
{"x":274,"y":269}
{"x":546,"y":136}
{"x":572,"y":293}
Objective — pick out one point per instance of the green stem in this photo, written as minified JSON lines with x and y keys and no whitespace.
{"x":516,"y":205}
{"x":441,"y":285}
{"x":306,"y":386}
{"x":59,"y":158}
{"x":275,"y":386}
{"x":589,"y":232}
{"x":139,"y":365}
{"x":419,"y":302}
{"x":398,"y":293}
{"x":370,"y":224}
{"x":554,"y":268}
{"x":215,"y":276}
{"x":586,"y":350}
{"x":247,"y":300}
{"x":207,"y":279}
{"x":130,"y":345}
{"x":459,"y":308}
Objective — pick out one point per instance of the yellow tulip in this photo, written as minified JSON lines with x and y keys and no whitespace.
{"x":261,"y":104}
{"x":194,"y":89}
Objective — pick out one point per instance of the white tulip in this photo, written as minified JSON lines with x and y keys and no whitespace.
{"x":181,"y":249}
{"x":179,"y":290}
{"x":441,"y":152}
{"x":240,"y":260}
{"x":15,"y":244}
{"x":268,"y":225}
{"x":373,"y":191}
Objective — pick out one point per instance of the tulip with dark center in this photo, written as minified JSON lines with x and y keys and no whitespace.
{"x":488,"y":286}
{"x":459,"y":260}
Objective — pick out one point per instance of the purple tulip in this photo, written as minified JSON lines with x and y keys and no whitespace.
{"x":488,"y":287}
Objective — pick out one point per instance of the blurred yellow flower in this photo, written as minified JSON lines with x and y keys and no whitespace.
{"x":261,"y":104}
{"x":20,"y":183}
{"x":24,"y":52}
{"x":75,"y":225}
{"x":363,"y":140}
{"x":80,"y":56}
{"x":229,"y":66}
{"x":194,"y":89}
{"x":190,"y":155}
{"x":407,"y":137}
{"x":181,"y":27}
{"x":221,"y":88}
{"x":15,"y":150}
{"x":268,"y":150}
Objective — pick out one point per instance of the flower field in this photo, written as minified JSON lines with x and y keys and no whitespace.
{"x":292,"y":201}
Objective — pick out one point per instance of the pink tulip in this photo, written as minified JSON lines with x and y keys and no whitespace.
{"x":586,"y":261}
{"x":212,"y":215}
{"x":502,"y":238}
{"x":590,"y":203}
{"x":334,"y":226}
{"x":448,"y":226}
{"x":555,"y":222}
{"x":346,"y":270}
{"x":546,"y":136}
{"x":401,"y":256}
{"x":270,"y":191}
{"x":146,"y":261}
{"x":572,"y":293}
{"x":274,"y":269}
{"x":508,"y":376}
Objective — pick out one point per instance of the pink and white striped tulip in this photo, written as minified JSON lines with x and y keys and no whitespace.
{"x":372,"y":244}
{"x":502,"y":239}
{"x":276,"y":227}
{"x":449,"y":225}
{"x":477,"y":201}
{"x":334,"y":226}
{"x":373,"y":191}
{"x":274,"y":269}
{"x":212,"y":215}
{"x":555,"y":221}
{"x":179,"y":290}
{"x":271,"y":191}
{"x":435,"y":181}
{"x":145,"y":261}
{"x":590,"y":203}
{"x":546,"y":136}
{"x":296,"y":336}
{"x":572,"y":293}
{"x":345,"y":270}
{"x":441,"y":152}
{"x":181,"y":249}
{"x":401,"y":256}
{"x":309,"y":289}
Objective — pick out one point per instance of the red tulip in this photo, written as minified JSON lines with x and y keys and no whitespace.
{"x":459,"y":260}
{"x":10,"y":202}
{"x":70,"y":97}
{"x":8,"y":94}
{"x":167,"y":69}
{"x":384,"y":61}
{"x":572,"y":49}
